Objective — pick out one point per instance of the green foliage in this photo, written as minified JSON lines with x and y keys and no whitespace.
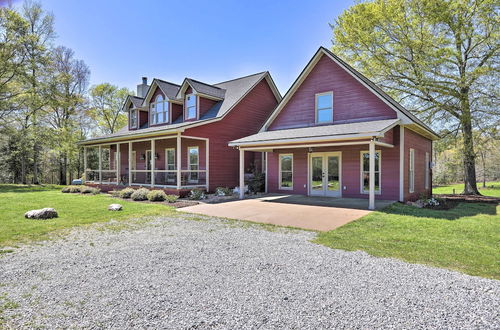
{"x":257,"y":183}
{"x":107,"y":101}
{"x":140,"y":194}
{"x":157,"y":196}
{"x":172,"y":198}
{"x":492,"y":189}
{"x":223,"y":191}
{"x":464,"y":238}
{"x":126,"y":193}
{"x":90,"y":190}
{"x":115,"y":193}
{"x":71,"y":189}
{"x":197,"y":194}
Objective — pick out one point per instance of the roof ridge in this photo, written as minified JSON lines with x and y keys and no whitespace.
{"x":137,"y":97}
{"x":204,"y":83}
{"x":168,"y":82}
{"x":247,"y":76}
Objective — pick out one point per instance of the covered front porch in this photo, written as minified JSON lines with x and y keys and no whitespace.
{"x":168,"y":162}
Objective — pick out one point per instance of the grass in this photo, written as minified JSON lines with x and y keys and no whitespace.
{"x":465,"y":238}
{"x":492,"y":189}
{"x":73,"y":210}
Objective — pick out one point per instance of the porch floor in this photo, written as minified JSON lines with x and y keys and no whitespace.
{"x":314,"y":213}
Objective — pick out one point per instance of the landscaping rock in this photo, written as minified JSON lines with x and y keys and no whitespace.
{"x":115,"y":207}
{"x":46,"y":213}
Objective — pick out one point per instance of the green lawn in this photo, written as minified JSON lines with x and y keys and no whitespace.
{"x":466,"y":238}
{"x":492,"y":189}
{"x":73,"y":209}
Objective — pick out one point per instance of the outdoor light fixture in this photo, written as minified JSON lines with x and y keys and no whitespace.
{"x":143,"y":156}
{"x":157,"y":156}
{"x":310,"y":149}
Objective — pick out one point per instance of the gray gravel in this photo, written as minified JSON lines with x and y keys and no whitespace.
{"x":178,"y":273}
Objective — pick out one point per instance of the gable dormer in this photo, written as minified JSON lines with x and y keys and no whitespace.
{"x":159,"y":102}
{"x":132,"y":107}
{"x":198,"y":98}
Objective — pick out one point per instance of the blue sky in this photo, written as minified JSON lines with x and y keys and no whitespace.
{"x":212,"y":41}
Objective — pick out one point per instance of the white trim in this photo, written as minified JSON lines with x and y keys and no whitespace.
{"x":316,"y":107}
{"x":279,"y":169}
{"x":266,"y":187}
{"x":411,"y":171}
{"x":136,"y":112}
{"x":270,"y":148}
{"x":196,"y":106}
{"x":361,"y":184}
{"x":207,"y":162}
{"x":401,"y":163}
{"x":189,"y":163}
{"x":242,"y":174}
{"x":324,"y":156}
{"x":166,"y":111}
{"x":179,"y":160}
{"x":427,"y":171}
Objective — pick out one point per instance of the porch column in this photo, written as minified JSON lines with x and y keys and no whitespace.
{"x":242,"y":173}
{"x":130,"y":163}
{"x":118,"y":161}
{"x":152,"y":160}
{"x":207,"y":163}
{"x":100,"y":165}
{"x":371,"y":203}
{"x":85,"y":163}
{"x":178,"y":159}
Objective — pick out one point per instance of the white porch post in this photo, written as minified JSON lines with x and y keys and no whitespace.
{"x":85,"y":163}
{"x":130,"y":163}
{"x":100,"y":164}
{"x":207,"y":163}
{"x":242,"y":173}
{"x":179,"y":161}
{"x":152,"y":160}
{"x":117,"y":165}
{"x":401,"y":162}
{"x":371,"y":203}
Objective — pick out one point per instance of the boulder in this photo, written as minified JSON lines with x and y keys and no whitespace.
{"x":115,"y":207}
{"x":46,"y":213}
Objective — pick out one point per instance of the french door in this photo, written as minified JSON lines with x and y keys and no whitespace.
{"x":325,"y":174}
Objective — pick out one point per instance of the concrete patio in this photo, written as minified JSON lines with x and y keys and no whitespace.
{"x":313,"y":213}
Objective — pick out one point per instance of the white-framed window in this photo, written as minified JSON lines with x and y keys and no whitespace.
{"x":286,"y":171}
{"x":158,"y":111}
{"x":170,"y":164}
{"x":193,"y":163}
{"x":133,"y":118}
{"x":191,"y":106}
{"x":427,"y":171}
{"x":365,"y":171}
{"x":324,"y":107}
{"x":411,"y":174}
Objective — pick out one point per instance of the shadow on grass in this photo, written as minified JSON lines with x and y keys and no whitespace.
{"x":13,"y":188}
{"x":460,"y":211}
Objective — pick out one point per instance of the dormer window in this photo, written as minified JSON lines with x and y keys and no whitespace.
{"x":158,"y":111}
{"x":324,"y":108}
{"x":133,"y":118}
{"x":191,"y":106}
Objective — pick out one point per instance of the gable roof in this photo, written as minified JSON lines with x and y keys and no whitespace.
{"x":201,"y":88}
{"x":406,"y":116}
{"x":168,"y":88}
{"x":235,"y":91}
{"x":135,"y":100}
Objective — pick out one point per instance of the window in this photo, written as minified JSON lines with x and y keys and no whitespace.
{"x":324,"y":107}
{"x":133,"y":118}
{"x":286,"y":171}
{"x":191,"y":106}
{"x":427,"y":172}
{"x":193,"y":164}
{"x":158,"y":111}
{"x":170,"y":164}
{"x":411,"y":174}
{"x":365,"y":171}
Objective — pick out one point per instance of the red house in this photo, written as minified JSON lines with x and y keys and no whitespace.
{"x":335,"y":133}
{"x":177,"y":135}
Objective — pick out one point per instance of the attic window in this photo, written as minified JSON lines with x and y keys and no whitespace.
{"x":159,"y":111}
{"x":324,"y":107}
{"x":133,"y":118}
{"x":191,"y":106}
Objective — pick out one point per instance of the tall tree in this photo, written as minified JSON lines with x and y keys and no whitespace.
{"x":106,"y":107}
{"x":439,"y":57}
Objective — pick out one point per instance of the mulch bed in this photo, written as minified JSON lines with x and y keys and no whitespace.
{"x":469,"y":198}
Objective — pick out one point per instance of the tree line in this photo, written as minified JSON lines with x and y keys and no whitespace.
{"x":46,"y":105}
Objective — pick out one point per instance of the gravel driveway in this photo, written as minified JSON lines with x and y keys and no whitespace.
{"x":179,"y":273}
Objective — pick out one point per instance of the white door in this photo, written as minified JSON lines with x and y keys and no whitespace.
{"x":325,"y":174}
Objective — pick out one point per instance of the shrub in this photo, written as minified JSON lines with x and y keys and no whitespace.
{"x":140,"y":194}
{"x":90,"y":190}
{"x":65,"y":189}
{"x":223,"y":191}
{"x":197,"y":194}
{"x":115,"y":193}
{"x":157,"y":196}
{"x":172,"y":198}
{"x":126,"y":193}
{"x":257,"y":182}
{"x":71,"y":189}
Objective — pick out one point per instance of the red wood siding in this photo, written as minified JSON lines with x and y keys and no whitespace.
{"x":351,"y":100}
{"x":205,"y":105}
{"x":421,"y":145}
{"x":176,"y":111}
{"x":245,"y":119}
{"x":143,"y":118}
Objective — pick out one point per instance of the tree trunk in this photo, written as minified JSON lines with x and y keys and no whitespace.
{"x":470,"y":185}
{"x":484,"y":169}
{"x":35,"y":162}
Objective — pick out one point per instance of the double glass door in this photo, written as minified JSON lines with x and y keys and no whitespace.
{"x":325,"y":174}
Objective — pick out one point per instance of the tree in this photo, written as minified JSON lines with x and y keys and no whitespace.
{"x":106,"y":107}
{"x":438,"y":57}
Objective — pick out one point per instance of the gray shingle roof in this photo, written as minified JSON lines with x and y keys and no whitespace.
{"x":136,"y":101}
{"x":207,"y":89}
{"x":168,"y":88}
{"x":368,"y":128}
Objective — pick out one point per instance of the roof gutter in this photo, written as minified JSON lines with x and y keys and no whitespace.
{"x":128,"y":137}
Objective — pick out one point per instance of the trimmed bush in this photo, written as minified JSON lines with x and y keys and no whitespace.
{"x":71,"y":189}
{"x":197,"y":194}
{"x":172,"y":198}
{"x":223,"y":191}
{"x":65,"y":189}
{"x":140,"y":194}
{"x":126,"y":193}
{"x":90,"y":190}
{"x":157,"y":196}
{"x":115,"y":193}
